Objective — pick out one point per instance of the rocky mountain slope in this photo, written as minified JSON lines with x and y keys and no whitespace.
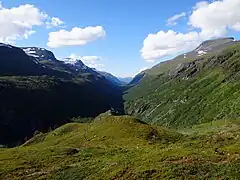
{"x":40,"y":54}
{"x":14,"y":61}
{"x":181,"y":93}
{"x":72,"y":67}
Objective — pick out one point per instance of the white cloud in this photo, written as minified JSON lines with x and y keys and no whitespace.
{"x":168,"y":43}
{"x":173,"y":20}
{"x":216,"y":18}
{"x":90,"y":61}
{"x":236,"y":27}
{"x":75,"y":37}
{"x":207,"y":20}
{"x":54,"y":22}
{"x":18,"y":22}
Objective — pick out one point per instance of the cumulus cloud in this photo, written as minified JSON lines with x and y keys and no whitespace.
{"x":216,"y":18}
{"x":54,"y":22}
{"x":207,"y":20}
{"x":173,"y":20}
{"x":90,"y":61}
{"x":168,"y":43}
{"x":18,"y":22}
{"x":76,"y":37}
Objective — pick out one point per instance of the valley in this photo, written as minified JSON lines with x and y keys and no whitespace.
{"x":65,"y":120}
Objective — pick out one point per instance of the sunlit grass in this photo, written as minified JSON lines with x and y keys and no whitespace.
{"x":125,"y":148}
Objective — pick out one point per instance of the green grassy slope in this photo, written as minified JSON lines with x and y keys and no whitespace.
{"x":210,"y":46}
{"x":201,"y":91}
{"x":121,"y":147}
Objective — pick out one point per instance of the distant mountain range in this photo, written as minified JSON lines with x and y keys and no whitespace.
{"x":126,"y":80}
{"x":48,"y":59}
{"x":116,"y":80}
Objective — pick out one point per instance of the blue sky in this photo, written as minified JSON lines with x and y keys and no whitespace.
{"x":127,"y":25}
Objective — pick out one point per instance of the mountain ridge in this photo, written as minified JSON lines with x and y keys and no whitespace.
{"x":177,"y":96}
{"x":39,"y":92}
{"x":112,"y":78}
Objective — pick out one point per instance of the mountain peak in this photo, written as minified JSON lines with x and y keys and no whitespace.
{"x":71,"y":60}
{"x":77,"y":63}
{"x":39,"y":53}
{"x":111,"y":77}
{"x":213,"y":43}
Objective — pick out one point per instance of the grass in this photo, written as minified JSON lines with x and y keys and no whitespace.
{"x":122,"y":147}
{"x":204,"y":91}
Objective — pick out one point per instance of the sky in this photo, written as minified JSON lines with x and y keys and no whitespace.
{"x":122,"y":37}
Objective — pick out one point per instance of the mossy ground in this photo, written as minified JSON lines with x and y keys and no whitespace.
{"x":121,"y":147}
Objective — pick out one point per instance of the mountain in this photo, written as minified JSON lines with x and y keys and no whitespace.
{"x":75,"y":62}
{"x":47,"y":59}
{"x":14,"y":61}
{"x":205,"y":48}
{"x":112,"y":78}
{"x":39,"y":92}
{"x":39,"y":103}
{"x":137,"y":78}
{"x":69,"y":65}
{"x":183,"y":118}
{"x":39,"y":53}
{"x":126,"y":80}
{"x":202,"y":87}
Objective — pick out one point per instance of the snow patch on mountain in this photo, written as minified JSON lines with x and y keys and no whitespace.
{"x":201,"y":53}
{"x":75,"y":62}
{"x":31,"y":52}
